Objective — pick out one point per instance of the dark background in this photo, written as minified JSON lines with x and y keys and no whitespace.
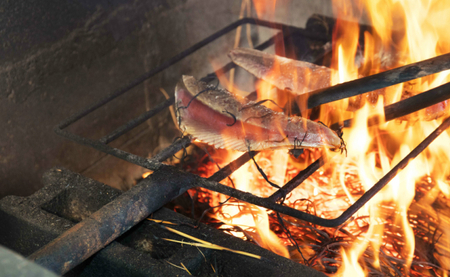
{"x":57,"y":57}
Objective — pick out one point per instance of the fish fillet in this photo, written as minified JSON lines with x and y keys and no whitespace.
{"x":286,"y":74}
{"x":302,"y":77}
{"x":219,"y":118}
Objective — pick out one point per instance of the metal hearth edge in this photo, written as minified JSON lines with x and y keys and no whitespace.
{"x":167,"y":182}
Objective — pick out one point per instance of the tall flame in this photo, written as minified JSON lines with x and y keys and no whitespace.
{"x":252,"y":219}
{"x":407,"y":32}
{"x":404,"y":31}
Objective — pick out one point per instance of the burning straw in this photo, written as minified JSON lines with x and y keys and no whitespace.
{"x":325,"y":245}
{"x":404,"y":235}
{"x":322,"y":247}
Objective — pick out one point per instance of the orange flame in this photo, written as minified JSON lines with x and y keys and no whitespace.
{"x":404,"y":32}
{"x":265,"y":9}
{"x":409,"y":31}
{"x":252,"y":219}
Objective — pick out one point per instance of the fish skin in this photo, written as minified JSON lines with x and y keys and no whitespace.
{"x":286,"y":74}
{"x":224,"y":120}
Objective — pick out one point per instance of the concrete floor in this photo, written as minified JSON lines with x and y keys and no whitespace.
{"x":59,"y":58}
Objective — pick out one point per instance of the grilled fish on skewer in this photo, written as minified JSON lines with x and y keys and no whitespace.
{"x":219,"y":118}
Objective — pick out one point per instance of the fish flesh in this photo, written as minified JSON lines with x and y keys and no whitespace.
{"x":298,"y":77}
{"x":286,"y":74}
{"x":219,"y":118}
{"x":301,"y":77}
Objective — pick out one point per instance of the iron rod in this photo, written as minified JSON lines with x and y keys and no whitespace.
{"x":377,"y":81}
{"x":151,"y":164}
{"x":407,"y":106}
{"x":87,"y":237}
{"x":297,"y":180}
{"x":145,"y":116}
{"x":136,"y":121}
{"x":181,"y":56}
{"x":233,"y":166}
{"x":95,"y":232}
{"x":267,"y":203}
{"x":417,"y":102}
{"x":92,"y":234}
{"x":172,"y":149}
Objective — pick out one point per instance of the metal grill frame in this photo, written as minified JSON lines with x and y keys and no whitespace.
{"x":315,"y":98}
{"x":167,"y":182}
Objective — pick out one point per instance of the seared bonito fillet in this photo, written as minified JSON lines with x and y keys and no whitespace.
{"x":297,"y":76}
{"x":223,"y":120}
{"x":301,"y":77}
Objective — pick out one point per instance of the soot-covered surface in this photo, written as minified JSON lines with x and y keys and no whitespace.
{"x":31,"y":222}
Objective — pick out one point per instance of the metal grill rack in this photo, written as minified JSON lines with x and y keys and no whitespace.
{"x":167,"y":182}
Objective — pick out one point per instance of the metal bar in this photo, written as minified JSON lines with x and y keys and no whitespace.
{"x":136,"y":121}
{"x":407,"y":106}
{"x":87,"y":237}
{"x":377,"y":81}
{"x":172,"y":149}
{"x":151,"y":164}
{"x":417,"y":102}
{"x":267,"y":203}
{"x":297,"y":180}
{"x":102,"y":227}
{"x":182,"y":55}
{"x":92,"y":234}
{"x":145,"y":116}
{"x":233,"y":166}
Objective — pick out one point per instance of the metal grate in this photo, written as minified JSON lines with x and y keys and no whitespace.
{"x":316,"y":98}
{"x":167,"y":182}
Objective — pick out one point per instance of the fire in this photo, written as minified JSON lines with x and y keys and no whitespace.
{"x":410,"y":31}
{"x":251,"y":219}
{"x":405,"y":31}
{"x":265,"y":9}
